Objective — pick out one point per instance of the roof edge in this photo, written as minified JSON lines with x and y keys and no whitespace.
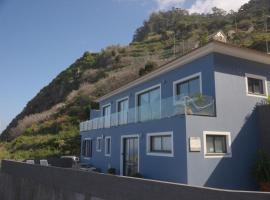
{"x":212,"y":47}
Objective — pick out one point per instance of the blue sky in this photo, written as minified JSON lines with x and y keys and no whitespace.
{"x":39,"y":39}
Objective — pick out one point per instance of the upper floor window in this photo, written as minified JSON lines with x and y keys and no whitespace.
{"x":148,"y":103}
{"x":189,"y":86}
{"x":87,"y":148}
{"x":106,"y":113}
{"x":256,"y":85}
{"x":122,"y":109}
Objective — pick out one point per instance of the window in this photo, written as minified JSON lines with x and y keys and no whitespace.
{"x":189,"y":86}
{"x":160,"y":144}
{"x":148,"y":103}
{"x":107,"y":146}
{"x":87,"y":148}
{"x":256,"y":85}
{"x":106,"y":113}
{"x":217,"y":144}
{"x":99,"y":144}
{"x":122,"y":109}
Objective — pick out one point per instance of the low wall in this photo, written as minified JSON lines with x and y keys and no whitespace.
{"x":20,"y":181}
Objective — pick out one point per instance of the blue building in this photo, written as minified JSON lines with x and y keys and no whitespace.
{"x":192,"y":121}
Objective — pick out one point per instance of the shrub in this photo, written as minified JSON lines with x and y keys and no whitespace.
{"x":149,"y":66}
{"x":137,"y":175}
{"x":112,"y":171}
{"x":268,"y":100}
{"x":262,"y":168}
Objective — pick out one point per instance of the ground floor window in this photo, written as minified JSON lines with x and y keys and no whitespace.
{"x":217,"y":144}
{"x":160,"y":144}
{"x":87,"y":148}
{"x":107,"y":146}
{"x":99,"y":144}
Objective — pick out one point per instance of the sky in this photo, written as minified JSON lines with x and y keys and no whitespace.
{"x":39,"y":39}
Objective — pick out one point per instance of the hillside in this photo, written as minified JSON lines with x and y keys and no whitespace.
{"x":48,"y":125}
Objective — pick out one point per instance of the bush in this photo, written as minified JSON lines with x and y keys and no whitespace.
{"x":268,"y":100}
{"x":262,"y":168}
{"x":149,"y":66}
{"x":137,"y":175}
{"x":112,"y":171}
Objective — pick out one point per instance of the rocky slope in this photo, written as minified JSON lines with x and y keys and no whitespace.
{"x":48,"y":125}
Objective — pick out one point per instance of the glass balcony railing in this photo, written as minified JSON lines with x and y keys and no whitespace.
{"x":169,"y":107}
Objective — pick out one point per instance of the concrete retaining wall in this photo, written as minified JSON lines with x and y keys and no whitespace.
{"x":20,"y":181}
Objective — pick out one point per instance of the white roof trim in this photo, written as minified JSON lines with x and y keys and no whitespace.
{"x":212,"y":47}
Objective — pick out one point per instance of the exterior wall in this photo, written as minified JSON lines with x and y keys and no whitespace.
{"x":223,"y":77}
{"x":203,"y":65}
{"x":235,"y":114}
{"x":154,"y":167}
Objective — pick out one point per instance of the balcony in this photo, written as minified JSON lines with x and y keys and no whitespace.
{"x":165,"y":108}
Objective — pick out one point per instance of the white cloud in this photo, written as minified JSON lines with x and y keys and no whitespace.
{"x":167,"y":4}
{"x":202,"y":6}
{"x":205,"y":6}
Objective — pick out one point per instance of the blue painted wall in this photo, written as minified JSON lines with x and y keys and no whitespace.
{"x":154,"y":167}
{"x":223,"y":77}
{"x":235,"y":114}
{"x":203,"y":65}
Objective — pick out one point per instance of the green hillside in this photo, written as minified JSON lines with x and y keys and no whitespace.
{"x":48,"y":125}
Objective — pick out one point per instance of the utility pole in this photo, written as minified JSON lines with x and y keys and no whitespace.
{"x":266,"y":31}
{"x":174,"y":45}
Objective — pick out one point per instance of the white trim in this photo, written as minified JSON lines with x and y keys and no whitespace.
{"x":85,"y":157}
{"x":148,"y":145}
{"x":265,"y":85}
{"x":117,"y":102}
{"x":228,"y":143}
{"x":122,"y":151}
{"x":199,"y":74}
{"x":98,"y":138}
{"x":106,"y":138}
{"x":144,"y":91}
{"x":214,"y":46}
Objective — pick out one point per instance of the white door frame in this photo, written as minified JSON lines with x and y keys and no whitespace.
{"x":122,"y":151}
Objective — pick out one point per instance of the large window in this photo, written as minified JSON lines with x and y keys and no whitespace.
{"x":107,"y":146}
{"x":188,"y":87}
{"x":99,"y":144}
{"x":160,"y":144}
{"x":122,"y":109}
{"x":87,"y":148}
{"x":106,"y":112}
{"x":217,"y":144}
{"x":256,"y":85}
{"x":148,"y":103}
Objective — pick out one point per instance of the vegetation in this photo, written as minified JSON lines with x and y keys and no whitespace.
{"x":48,"y":125}
{"x":112,"y":171}
{"x":268,"y":100}
{"x":262,"y":169}
{"x":149,"y":66}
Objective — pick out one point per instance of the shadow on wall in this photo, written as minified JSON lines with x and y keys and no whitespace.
{"x":244,"y":151}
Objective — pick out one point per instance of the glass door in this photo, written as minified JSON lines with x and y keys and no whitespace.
{"x":130,"y":156}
